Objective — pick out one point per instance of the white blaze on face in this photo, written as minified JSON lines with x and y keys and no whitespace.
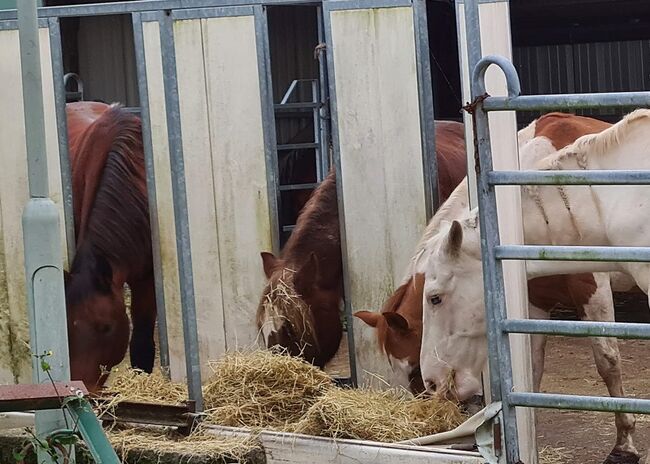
{"x":453,"y":332}
{"x":270,"y":323}
{"x":401,"y":372}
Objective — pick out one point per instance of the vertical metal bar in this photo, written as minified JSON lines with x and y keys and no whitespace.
{"x":143,"y":90}
{"x":336,"y":159}
{"x":268,"y":121}
{"x":41,"y":232}
{"x":324,"y":120}
{"x":190,"y":333}
{"x":473,"y":56}
{"x":33,"y":98}
{"x":62,"y":129}
{"x":426,"y":104}
{"x":501,"y":381}
{"x":318,"y":153}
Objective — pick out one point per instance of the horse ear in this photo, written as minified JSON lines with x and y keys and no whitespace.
{"x":396,"y":322}
{"x":307,"y":276}
{"x":269,"y":261}
{"x":454,"y":239}
{"x":103,"y":274}
{"x":369,"y":317}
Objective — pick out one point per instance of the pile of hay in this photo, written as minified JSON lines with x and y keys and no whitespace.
{"x":262,"y":389}
{"x":384,"y":416}
{"x":265,"y":390}
{"x":136,"y":386}
{"x":142,"y":444}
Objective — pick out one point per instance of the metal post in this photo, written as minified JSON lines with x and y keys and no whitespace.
{"x":43,"y":254}
{"x":190,"y":332}
{"x":500,"y":365}
{"x":143,"y":90}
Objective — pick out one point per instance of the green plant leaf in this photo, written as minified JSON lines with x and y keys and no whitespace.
{"x":19,"y":456}
{"x":45,"y":366}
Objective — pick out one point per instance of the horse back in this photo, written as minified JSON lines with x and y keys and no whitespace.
{"x":450,"y":153}
{"x":94,"y":131}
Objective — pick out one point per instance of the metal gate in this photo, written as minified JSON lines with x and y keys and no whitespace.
{"x":493,"y":253}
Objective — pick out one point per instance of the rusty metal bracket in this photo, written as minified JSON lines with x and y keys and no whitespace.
{"x":471,"y":107}
{"x":182,"y":416}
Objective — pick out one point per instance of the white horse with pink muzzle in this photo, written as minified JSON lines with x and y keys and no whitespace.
{"x":454,"y":345}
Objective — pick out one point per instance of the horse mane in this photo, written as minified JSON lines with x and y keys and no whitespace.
{"x":321,"y":204}
{"x":446,"y":212}
{"x":594,"y":144}
{"x":109,"y":189}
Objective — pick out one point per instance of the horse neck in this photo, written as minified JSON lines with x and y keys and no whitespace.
{"x":118,"y":225}
{"x":317,"y":230}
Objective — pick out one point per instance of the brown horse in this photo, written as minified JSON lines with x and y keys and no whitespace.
{"x":300,"y":306}
{"x":113,"y":243}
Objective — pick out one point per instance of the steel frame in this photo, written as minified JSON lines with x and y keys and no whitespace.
{"x":425,"y":93}
{"x":167,"y":11}
{"x":190,"y":334}
{"x":498,"y":325}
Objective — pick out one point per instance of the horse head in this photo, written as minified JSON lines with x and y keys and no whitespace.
{"x":98,"y":327}
{"x":399,"y":332}
{"x":454,"y":343}
{"x":294,"y":312}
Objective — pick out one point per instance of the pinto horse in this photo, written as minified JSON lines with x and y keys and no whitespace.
{"x":399,"y":323}
{"x":300,"y":306}
{"x":113,"y":243}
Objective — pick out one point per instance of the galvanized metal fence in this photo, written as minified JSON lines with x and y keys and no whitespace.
{"x":499,"y":327}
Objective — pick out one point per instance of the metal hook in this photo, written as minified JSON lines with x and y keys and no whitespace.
{"x":508,"y":69}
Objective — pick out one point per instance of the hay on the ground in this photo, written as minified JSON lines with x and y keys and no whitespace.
{"x":384,"y":416}
{"x":262,"y":389}
{"x":143,"y":443}
{"x":551,"y":455}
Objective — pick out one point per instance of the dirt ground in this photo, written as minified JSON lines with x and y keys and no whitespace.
{"x":584,"y":436}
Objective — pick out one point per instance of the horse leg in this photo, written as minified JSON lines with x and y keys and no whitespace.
{"x":600,"y":307}
{"x":538,"y":347}
{"x":143,"y":317}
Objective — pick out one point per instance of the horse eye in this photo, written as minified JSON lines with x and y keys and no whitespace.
{"x":435,"y":300}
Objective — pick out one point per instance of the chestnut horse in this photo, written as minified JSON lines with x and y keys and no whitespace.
{"x":300,"y":305}
{"x":113,"y":243}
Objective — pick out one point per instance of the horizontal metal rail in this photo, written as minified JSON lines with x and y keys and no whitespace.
{"x":568,"y":101}
{"x":297,"y":146}
{"x":288,"y":228}
{"x":296,"y":106}
{"x":625,"y":330}
{"x":579,"y":402}
{"x":285,"y":188}
{"x":569,"y":177}
{"x":125,"y":7}
{"x":573,"y":253}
